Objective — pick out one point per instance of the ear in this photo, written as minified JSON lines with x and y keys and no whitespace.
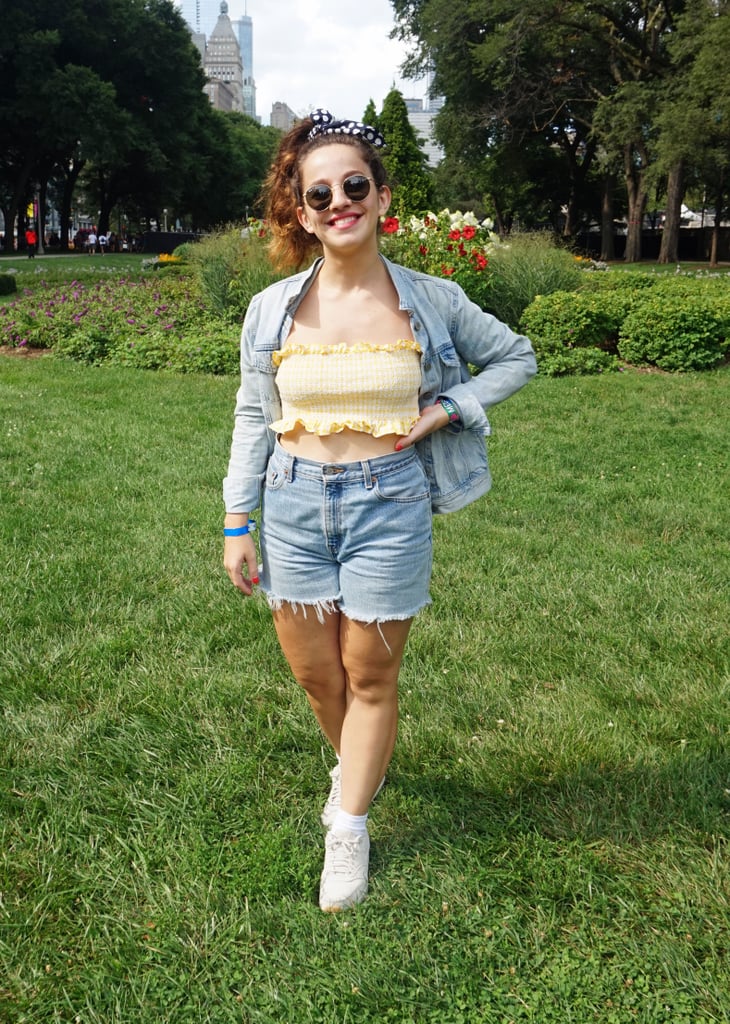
{"x":384,"y":199}
{"x":303,"y":218}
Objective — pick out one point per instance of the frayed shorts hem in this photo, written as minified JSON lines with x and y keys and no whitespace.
{"x":328,"y":606}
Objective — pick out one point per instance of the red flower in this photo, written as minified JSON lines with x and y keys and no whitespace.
{"x":391,"y":225}
{"x":468,"y":232}
{"x":446,"y":271}
{"x":479,"y":259}
{"x":423,"y":250}
{"x":455,"y":235}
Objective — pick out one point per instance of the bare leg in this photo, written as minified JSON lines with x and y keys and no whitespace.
{"x":370,"y":725}
{"x":312,"y":649}
{"x":350,"y":676}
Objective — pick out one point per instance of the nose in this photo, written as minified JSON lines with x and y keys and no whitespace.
{"x":344,"y":199}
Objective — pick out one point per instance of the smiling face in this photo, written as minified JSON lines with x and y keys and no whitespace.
{"x":346,"y":223}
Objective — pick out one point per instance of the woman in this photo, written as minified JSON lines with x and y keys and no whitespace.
{"x":356,"y":418}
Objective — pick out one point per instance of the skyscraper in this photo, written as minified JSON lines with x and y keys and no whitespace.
{"x":201,"y":15}
{"x":243,"y":28}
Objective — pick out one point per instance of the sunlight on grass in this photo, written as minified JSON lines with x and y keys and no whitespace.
{"x":551,"y":845}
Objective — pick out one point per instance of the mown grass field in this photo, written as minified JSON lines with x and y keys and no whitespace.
{"x":552,"y":843}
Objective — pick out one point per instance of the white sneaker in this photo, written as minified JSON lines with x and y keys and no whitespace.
{"x":344,"y":879}
{"x":330,"y":809}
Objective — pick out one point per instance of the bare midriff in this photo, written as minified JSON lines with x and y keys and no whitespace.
{"x":345,"y":446}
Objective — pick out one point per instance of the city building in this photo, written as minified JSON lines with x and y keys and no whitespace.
{"x":421,"y":115}
{"x":282,"y":117}
{"x":222,"y":65}
{"x":231,"y":84}
{"x":201,"y":15}
{"x":243,"y":28}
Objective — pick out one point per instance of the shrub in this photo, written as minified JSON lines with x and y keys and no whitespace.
{"x":575,"y":319}
{"x":444,"y":244}
{"x":556,"y":360}
{"x":231,"y":266}
{"x":524,"y":266}
{"x":8,"y":284}
{"x":674,"y":332}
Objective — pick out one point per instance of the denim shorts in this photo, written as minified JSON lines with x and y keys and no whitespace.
{"x":354,"y":537}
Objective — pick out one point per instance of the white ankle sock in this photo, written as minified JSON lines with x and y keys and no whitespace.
{"x":345,"y":822}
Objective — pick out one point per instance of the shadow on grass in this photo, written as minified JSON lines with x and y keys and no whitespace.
{"x":594,"y":802}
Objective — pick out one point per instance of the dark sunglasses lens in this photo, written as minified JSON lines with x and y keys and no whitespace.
{"x":356,"y":187}
{"x":318,"y":196}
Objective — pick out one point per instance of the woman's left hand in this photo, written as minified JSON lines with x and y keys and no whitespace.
{"x":433,"y":417}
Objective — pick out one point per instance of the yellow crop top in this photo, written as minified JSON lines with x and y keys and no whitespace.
{"x":326,"y":388}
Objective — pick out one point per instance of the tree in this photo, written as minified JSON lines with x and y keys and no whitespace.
{"x":404,"y":160}
{"x":582,"y":77}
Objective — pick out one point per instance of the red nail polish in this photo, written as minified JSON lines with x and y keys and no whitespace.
{"x":254,"y":579}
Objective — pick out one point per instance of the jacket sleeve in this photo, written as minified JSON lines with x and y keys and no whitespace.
{"x":250,"y":446}
{"x":505,"y":360}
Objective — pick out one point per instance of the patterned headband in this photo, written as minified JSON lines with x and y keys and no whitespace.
{"x":326,"y":124}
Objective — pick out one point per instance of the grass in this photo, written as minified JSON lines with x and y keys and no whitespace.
{"x":552,"y":843}
{"x":59,"y":268}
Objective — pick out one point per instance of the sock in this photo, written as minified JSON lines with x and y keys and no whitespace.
{"x":345,"y":822}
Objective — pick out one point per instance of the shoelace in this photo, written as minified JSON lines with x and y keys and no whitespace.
{"x":336,"y":791}
{"x":343,"y":851}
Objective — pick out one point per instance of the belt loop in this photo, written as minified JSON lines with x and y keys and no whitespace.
{"x":290,"y":464}
{"x":368,"y":476}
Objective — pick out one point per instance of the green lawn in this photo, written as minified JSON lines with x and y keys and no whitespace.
{"x":552,"y":843}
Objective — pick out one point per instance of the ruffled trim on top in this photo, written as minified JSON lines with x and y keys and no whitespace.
{"x":322,"y":427}
{"x":404,"y":345}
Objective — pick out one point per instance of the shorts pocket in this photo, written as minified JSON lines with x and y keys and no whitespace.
{"x":275,"y":477}
{"x":404,"y":487}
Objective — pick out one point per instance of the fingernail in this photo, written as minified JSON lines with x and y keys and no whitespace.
{"x":398,"y":446}
{"x":254,"y":579}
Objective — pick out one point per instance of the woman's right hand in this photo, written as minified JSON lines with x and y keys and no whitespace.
{"x":241,"y":563}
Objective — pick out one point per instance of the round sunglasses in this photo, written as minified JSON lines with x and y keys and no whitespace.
{"x":356,"y":187}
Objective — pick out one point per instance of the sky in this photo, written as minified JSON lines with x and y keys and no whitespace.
{"x":323,"y":53}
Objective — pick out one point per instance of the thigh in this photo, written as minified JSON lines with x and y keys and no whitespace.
{"x":311,"y":643}
{"x":372,"y":652}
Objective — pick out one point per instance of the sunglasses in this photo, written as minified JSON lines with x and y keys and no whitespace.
{"x":356,"y":188}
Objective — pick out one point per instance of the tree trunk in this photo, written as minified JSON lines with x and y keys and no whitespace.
{"x":40,"y":228}
{"x":637,"y":199}
{"x":669,"y":249}
{"x":715,"y":238}
{"x":608,"y":247}
{"x":72,"y":172}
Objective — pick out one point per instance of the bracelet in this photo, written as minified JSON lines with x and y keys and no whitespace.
{"x":239,"y":531}
{"x":450,"y":409}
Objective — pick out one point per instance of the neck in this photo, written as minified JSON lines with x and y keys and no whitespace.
{"x":341,"y":272}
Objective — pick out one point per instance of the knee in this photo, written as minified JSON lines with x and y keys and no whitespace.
{"x":318,"y":681}
{"x":374,"y":687}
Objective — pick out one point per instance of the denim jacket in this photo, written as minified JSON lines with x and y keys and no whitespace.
{"x":452,"y":332}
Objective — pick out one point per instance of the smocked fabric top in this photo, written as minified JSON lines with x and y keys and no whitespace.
{"x":365,"y":387}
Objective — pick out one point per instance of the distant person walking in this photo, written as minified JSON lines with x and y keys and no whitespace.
{"x":91,"y":241}
{"x":31,"y":242}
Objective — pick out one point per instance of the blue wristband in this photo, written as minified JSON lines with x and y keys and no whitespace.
{"x":239,"y":531}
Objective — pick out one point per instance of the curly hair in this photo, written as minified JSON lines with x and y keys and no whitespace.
{"x":290,"y":244}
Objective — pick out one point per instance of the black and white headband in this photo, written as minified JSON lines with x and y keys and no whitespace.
{"x":326,"y":124}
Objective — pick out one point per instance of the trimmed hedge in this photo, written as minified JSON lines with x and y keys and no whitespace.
{"x":8,"y":284}
{"x":675,"y":323}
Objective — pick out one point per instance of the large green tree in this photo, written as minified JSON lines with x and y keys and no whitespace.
{"x":110,"y":93}
{"x":585,"y":78}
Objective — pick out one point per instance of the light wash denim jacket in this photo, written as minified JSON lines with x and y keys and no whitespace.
{"x":452,"y":332}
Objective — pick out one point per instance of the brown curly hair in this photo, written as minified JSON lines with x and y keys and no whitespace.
{"x":290,"y":244}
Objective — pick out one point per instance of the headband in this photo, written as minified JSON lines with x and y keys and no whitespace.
{"x":326,"y":124}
